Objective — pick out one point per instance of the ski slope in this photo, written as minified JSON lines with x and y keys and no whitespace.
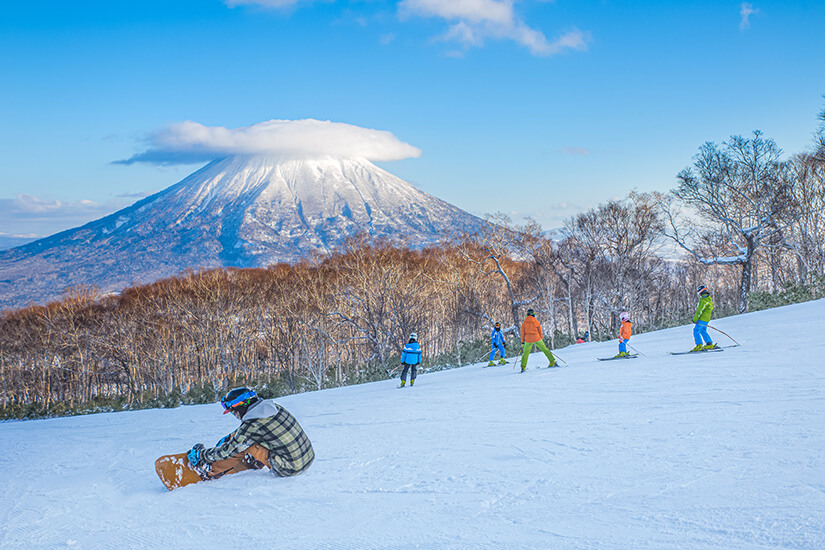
{"x":712,"y":451}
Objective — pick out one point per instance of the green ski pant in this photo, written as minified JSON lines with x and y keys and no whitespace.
{"x":528,"y":347}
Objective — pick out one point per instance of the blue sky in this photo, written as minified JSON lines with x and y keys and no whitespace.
{"x":532,"y":108}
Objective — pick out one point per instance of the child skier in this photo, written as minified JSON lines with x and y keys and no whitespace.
{"x":624,"y":333}
{"x":702,"y":318}
{"x":531,"y":334}
{"x":410,"y":357}
{"x":498,"y":344}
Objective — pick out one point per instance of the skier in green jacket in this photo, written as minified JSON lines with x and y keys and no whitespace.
{"x":702,"y":318}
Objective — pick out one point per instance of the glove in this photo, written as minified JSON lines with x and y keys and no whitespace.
{"x":195,"y":455}
{"x":223,"y":440}
{"x":693,"y":319}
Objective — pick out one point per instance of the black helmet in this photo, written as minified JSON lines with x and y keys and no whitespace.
{"x":531,"y":312}
{"x":701,"y":289}
{"x":238,"y":399}
{"x":497,"y":325}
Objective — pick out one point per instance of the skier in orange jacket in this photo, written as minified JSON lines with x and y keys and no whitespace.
{"x":624,"y":333}
{"x":531,"y":334}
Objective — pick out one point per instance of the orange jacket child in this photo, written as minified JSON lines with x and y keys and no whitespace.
{"x":624,"y":333}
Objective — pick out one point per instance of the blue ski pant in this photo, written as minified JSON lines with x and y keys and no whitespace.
{"x":623,"y":345}
{"x":700,"y":333}
{"x":499,"y":348}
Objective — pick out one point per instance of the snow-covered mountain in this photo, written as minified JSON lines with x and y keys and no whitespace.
{"x":243,"y":211}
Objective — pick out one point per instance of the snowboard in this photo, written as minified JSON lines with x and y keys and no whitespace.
{"x":631,"y":356}
{"x":174,"y":471}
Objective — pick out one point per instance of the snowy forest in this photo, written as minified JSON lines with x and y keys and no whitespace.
{"x":741,"y":219}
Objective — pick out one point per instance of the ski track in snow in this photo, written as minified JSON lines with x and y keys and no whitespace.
{"x":711,"y":451}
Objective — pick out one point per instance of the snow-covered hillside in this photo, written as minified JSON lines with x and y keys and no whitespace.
{"x":242,"y":211}
{"x":713,"y":451}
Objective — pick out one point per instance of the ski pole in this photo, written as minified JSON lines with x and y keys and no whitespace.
{"x":726,"y":334}
{"x":634,"y":349}
{"x":556,"y":355}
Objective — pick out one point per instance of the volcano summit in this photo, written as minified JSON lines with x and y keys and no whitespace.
{"x":241,"y":211}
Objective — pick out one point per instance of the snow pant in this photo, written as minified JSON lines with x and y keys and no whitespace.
{"x":253,"y":458}
{"x":404,"y":372}
{"x":623,"y":345}
{"x":528,"y":347}
{"x":499,"y":348}
{"x":700,"y":333}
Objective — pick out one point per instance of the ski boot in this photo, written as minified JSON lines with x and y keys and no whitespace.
{"x":502,"y":361}
{"x":523,"y":368}
{"x":491,"y":364}
{"x":403,"y":383}
{"x":709,"y":346}
{"x":699,"y":347}
{"x":412,"y":382}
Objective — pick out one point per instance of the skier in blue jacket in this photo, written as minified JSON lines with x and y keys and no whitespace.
{"x":410,"y":357}
{"x":498,"y":344}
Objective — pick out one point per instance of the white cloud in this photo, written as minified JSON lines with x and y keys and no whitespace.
{"x":745,"y":12}
{"x":472,"y":21}
{"x":29,"y":205}
{"x":191,"y":142}
{"x":28,"y":214}
{"x":576,"y":151}
{"x":277,"y":4}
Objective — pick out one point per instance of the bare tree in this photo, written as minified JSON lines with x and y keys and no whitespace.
{"x":739,"y":193}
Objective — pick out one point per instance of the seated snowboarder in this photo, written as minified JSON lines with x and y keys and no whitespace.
{"x":268,"y":436}
{"x":497,"y":343}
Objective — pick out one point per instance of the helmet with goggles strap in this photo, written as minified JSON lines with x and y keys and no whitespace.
{"x":238,"y":399}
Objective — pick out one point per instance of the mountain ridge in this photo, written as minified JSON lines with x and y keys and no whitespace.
{"x":238,"y":211}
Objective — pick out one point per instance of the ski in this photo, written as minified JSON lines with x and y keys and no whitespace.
{"x":691,"y":351}
{"x":631,"y":356}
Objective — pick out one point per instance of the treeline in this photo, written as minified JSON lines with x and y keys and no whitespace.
{"x":342,"y":319}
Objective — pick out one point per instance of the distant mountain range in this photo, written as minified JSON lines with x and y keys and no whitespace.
{"x":241,"y":211}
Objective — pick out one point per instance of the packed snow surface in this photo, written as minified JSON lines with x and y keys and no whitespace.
{"x":712,"y":451}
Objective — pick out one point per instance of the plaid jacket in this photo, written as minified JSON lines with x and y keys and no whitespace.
{"x":271,"y":426}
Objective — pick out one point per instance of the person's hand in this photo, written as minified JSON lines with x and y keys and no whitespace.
{"x":195,"y":455}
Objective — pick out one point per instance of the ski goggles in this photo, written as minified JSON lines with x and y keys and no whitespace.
{"x":237,"y":401}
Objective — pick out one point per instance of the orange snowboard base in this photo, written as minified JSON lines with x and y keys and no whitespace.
{"x":174,"y":470}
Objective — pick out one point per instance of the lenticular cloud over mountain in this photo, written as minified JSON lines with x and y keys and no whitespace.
{"x":192,"y":142}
